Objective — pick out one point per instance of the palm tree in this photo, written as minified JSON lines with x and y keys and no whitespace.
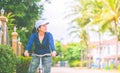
{"x":84,"y":36}
{"x":84,"y":20}
{"x":109,"y":17}
{"x":105,"y":14}
{"x":84,"y":40}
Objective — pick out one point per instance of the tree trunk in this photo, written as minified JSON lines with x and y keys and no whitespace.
{"x":87,"y":58}
{"x":116,"y":57}
{"x":100,"y":48}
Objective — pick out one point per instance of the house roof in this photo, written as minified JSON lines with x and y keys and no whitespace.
{"x":112,"y":41}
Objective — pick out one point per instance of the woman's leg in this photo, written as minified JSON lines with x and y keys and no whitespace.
{"x":47,"y":62}
{"x":33,"y":65}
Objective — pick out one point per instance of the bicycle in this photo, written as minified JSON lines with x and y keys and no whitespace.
{"x":41,"y":69}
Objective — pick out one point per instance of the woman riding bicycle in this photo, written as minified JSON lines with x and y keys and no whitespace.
{"x":44,"y":43}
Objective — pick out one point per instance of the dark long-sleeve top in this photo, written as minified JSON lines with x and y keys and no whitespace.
{"x":46,"y":46}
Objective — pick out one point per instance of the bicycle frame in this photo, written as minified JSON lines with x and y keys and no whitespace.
{"x":41,"y":69}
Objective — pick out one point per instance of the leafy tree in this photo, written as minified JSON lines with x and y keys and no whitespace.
{"x":60,"y":51}
{"x":58,"y":46}
{"x":82,"y":10}
{"x":22,"y":14}
{"x":25,"y":11}
{"x":73,"y":51}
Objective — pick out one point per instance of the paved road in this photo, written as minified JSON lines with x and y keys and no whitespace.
{"x":80,"y":70}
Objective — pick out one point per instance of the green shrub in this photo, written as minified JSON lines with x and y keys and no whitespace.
{"x":7,"y":59}
{"x":109,"y":67}
{"x":55,"y":60}
{"x":83,"y":63}
{"x":75,"y":63}
{"x":23,"y":64}
{"x":118,"y":67}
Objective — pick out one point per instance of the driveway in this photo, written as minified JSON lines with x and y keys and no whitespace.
{"x":80,"y":70}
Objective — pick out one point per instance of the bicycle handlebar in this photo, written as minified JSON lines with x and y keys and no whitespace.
{"x":48,"y":54}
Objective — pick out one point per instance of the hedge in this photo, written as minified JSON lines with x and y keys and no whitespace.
{"x":23,"y":64}
{"x":8,"y":59}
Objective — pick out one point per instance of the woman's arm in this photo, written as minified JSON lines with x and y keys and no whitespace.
{"x":51,"y":42}
{"x":28,"y":47}
{"x":30,"y":42}
{"x":52,"y":47}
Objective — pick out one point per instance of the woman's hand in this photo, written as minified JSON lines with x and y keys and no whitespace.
{"x":54,"y":53}
{"x":26,"y":53}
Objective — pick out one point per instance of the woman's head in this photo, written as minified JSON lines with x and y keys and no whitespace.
{"x":40,"y":25}
{"x":42,"y":28}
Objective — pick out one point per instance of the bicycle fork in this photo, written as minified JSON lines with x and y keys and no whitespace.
{"x":40,"y":66}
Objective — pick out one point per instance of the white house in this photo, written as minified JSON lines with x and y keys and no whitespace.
{"x":104,"y":51}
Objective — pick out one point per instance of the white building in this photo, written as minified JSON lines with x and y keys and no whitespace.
{"x":107,"y":52}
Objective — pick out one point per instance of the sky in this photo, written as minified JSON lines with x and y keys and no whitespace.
{"x":59,"y":25}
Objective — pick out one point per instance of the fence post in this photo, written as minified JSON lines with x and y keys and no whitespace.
{"x":19,"y":47}
{"x":1,"y":32}
{"x":22,"y":49}
{"x":14,"y":40}
{"x":3,"y":20}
